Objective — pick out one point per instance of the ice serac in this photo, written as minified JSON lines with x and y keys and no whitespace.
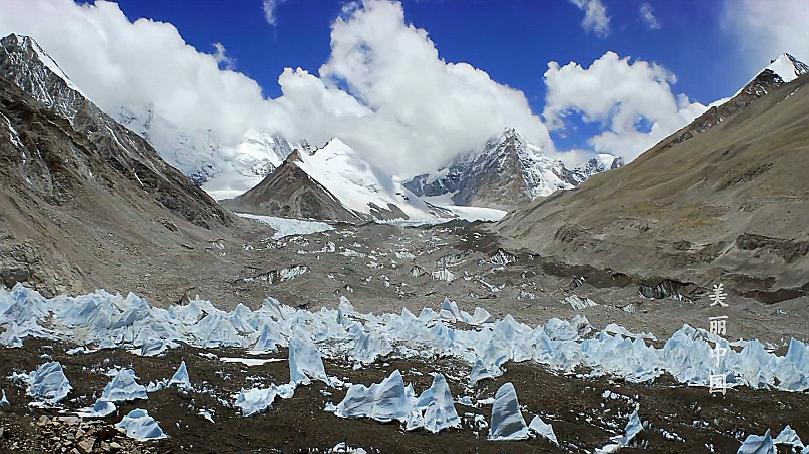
{"x":124,"y":387}
{"x":334,"y":183}
{"x":305,"y":363}
{"x":757,"y":444}
{"x":105,"y":320}
{"x":435,"y":409}
{"x":180,"y":378}
{"x":48,"y":383}
{"x":788,"y":437}
{"x":139,"y":425}
{"x":384,"y":402}
{"x":543,"y":429}
{"x":506,"y":172}
{"x":507,"y":421}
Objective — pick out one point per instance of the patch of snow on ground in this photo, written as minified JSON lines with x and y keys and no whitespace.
{"x":287,"y":227}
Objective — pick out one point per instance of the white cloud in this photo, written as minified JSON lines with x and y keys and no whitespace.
{"x":766,"y":28}
{"x":427,"y":110}
{"x":222,"y":58}
{"x":596,"y":19}
{"x":408,"y":110}
{"x":269,"y":7}
{"x":632,"y":101}
{"x":648,"y":17}
{"x":136,"y":64}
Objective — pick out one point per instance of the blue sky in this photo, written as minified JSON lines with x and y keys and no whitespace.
{"x":410,"y":86}
{"x":511,"y":40}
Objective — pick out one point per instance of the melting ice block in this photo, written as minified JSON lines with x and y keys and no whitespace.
{"x":633,"y":428}
{"x":507,"y":421}
{"x":435,"y":409}
{"x":255,"y":400}
{"x":788,"y":437}
{"x":542,"y":429}
{"x":139,"y":425}
{"x":48,"y":383}
{"x":757,"y":444}
{"x":386,"y":401}
{"x":305,"y":363}
{"x":180,"y":378}
{"x":123,"y":387}
{"x":100,"y":409}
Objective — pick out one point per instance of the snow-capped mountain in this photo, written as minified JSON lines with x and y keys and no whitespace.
{"x":787,"y":67}
{"x":601,"y":162}
{"x":25,"y":63}
{"x":334,"y":183}
{"x":506,"y":172}
{"x":222,"y":170}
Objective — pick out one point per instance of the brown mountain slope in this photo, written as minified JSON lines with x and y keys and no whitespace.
{"x":729,"y":204}
{"x":90,"y":204}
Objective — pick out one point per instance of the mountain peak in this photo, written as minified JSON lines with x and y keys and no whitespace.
{"x":29,"y":49}
{"x":787,"y":67}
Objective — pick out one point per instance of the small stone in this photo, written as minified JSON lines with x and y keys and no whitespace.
{"x":86,"y":445}
{"x":114,"y":446}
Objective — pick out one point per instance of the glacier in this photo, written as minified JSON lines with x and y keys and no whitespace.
{"x":101,"y":319}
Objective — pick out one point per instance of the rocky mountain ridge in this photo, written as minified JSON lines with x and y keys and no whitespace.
{"x":506,"y":172}
{"x":334,"y":183}
{"x":80,"y":190}
{"x":722,"y":200}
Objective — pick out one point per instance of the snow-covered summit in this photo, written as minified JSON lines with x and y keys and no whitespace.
{"x":506,"y":171}
{"x":26,"y":64}
{"x":334,"y":182}
{"x":224,"y":167}
{"x":787,"y":67}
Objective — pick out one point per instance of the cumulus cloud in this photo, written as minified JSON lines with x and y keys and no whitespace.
{"x":119,"y":63}
{"x":766,"y":28}
{"x":632,"y":101}
{"x":384,"y":90}
{"x":269,"y":7}
{"x":648,"y":17}
{"x":427,"y":109}
{"x":596,"y":19}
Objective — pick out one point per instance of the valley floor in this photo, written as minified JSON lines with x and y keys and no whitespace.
{"x":382,"y":269}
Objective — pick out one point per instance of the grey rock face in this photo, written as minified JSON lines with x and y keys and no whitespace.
{"x":90,"y":134}
{"x":507,"y":172}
